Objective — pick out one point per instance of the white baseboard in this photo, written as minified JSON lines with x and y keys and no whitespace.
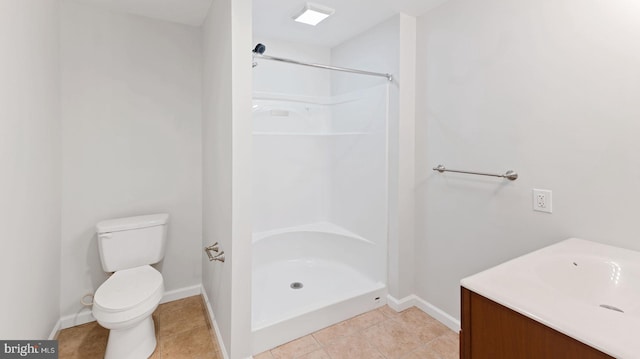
{"x":401,"y":304}
{"x":85,"y":316}
{"x":81,"y":317}
{"x":180,"y":293}
{"x":415,"y":301}
{"x":438,"y":314}
{"x":223,"y":349}
{"x":55,"y":331}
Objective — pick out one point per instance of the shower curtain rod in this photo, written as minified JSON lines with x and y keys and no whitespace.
{"x":327,"y":67}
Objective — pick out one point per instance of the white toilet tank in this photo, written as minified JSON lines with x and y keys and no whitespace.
{"x":131,"y":242}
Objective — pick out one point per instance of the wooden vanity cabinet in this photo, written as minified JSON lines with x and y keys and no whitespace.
{"x":493,"y":331}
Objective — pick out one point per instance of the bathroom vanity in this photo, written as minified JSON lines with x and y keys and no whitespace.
{"x":491,"y":330}
{"x":574,"y":299}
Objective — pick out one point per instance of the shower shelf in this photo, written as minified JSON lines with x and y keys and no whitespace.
{"x":311,"y":100}
{"x":322,"y":227}
{"x":310,"y":133}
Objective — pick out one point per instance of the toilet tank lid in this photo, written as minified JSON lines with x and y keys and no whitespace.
{"x":123,"y":224}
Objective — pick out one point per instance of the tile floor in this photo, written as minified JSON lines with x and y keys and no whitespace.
{"x":379,"y":334}
{"x":183,"y":331}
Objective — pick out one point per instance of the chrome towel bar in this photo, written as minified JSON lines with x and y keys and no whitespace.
{"x":510,"y":175}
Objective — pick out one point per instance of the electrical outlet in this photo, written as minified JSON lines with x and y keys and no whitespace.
{"x":542,"y":200}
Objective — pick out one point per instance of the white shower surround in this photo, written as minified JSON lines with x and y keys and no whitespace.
{"x":320,"y":211}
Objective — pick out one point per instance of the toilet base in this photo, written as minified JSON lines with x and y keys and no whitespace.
{"x":137,"y":342}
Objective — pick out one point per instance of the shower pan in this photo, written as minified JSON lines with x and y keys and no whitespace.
{"x":320,"y":209}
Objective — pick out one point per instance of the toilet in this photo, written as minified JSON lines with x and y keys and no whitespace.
{"x":124,"y":302}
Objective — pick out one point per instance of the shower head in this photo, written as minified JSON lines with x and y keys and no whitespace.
{"x":260,"y":49}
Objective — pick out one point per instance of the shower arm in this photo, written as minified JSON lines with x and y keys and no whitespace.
{"x":389,"y":77}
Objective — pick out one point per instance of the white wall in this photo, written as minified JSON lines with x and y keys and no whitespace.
{"x":217,"y":160}
{"x":131,"y":127}
{"x":30,"y":162}
{"x":549,"y":89}
{"x":226,"y":139}
{"x":388,"y":48}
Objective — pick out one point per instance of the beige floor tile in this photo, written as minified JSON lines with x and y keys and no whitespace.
{"x":447,"y":345}
{"x":183,"y":333}
{"x":191,"y":344}
{"x":392,"y":338}
{"x":318,"y":354}
{"x":417,"y":317}
{"x":174,"y":320}
{"x":353,"y":347}
{"x":83,"y":341}
{"x":429,"y":332}
{"x":263,"y":355}
{"x":192,"y":340}
{"x":423,"y":352}
{"x":334,"y":332}
{"x":421,"y":324}
{"x":296,"y":348}
{"x":214,"y":340}
{"x":388,"y":312}
{"x":181,"y":304}
{"x":366,"y":320}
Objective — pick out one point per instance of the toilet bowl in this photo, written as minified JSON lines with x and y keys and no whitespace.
{"x":124,"y":304}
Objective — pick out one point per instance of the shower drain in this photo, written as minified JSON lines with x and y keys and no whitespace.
{"x":296,"y":285}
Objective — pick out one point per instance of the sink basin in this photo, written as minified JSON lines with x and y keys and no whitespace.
{"x":603,"y":282}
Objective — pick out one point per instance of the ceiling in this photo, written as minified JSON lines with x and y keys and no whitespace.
{"x":272,"y":18}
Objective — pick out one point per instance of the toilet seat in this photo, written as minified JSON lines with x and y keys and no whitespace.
{"x":127,"y":295}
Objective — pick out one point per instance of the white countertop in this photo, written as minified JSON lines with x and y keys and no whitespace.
{"x":564,"y":285}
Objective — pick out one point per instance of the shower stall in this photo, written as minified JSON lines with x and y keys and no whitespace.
{"x":319,"y":197}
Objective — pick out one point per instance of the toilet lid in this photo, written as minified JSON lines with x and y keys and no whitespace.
{"x":128,"y":288}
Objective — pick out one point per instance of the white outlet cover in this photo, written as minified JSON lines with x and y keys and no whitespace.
{"x":542,"y":200}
